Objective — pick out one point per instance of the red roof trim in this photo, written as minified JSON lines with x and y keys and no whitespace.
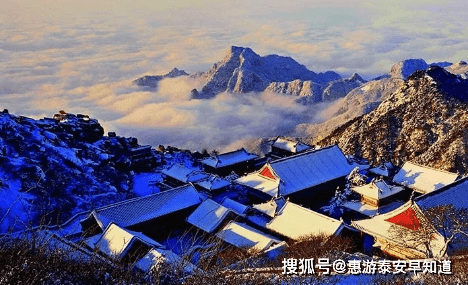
{"x":407,"y":219}
{"x":266,"y":172}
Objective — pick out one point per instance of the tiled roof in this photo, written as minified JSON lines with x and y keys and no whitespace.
{"x":408,"y":217}
{"x":299,"y":172}
{"x":234,"y":206}
{"x":455,"y":194}
{"x":142,"y":209}
{"x":270,"y":208}
{"x":213,"y":182}
{"x":257,"y":181}
{"x":159,"y":257}
{"x":294,"y":222}
{"x":184,"y":174}
{"x":208,"y":216}
{"x":377,"y":190}
{"x":289,"y":145}
{"x":381,"y":170}
{"x":369,"y":210}
{"x":242,"y":236}
{"x":259,"y":220}
{"x":229,"y":158}
{"x":115,"y":241}
{"x":422,"y":178}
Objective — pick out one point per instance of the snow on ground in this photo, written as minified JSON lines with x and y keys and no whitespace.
{"x":141,"y":182}
{"x":365,"y":88}
{"x":14,"y":207}
{"x":68,"y":154}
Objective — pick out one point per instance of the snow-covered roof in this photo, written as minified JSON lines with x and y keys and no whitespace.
{"x":184,"y":174}
{"x":208,"y":216}
{"x":377,"y":189}
{"x":408,"y":218}
{"x":455,"y":194}
{"x":382,"y":170}
{"x":268,"y":208}
{"x":290,"y":145}
{"x":213,"y":182}
{"x":259,"y":220}
{"x":142,"y":209}
{"x":271,"y":207}
{"x":298,"y":172}
{"x":91,"y":241}
{"x":229,"y":158}
{"x":422,"y":178}
{"x":234,"y":206}
{"x":258,"y":181}
{"x":243,"y":236}
{"x":157,"y":257}
{"x":115,"y":241}
{"x":294,"y":222}
{"x":370,"y":210}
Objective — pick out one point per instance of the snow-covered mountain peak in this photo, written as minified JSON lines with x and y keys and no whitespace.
{"x":234,"y":51}
{"x":424,"y":121}
{"x":152,"y":81}
{"x":460,"y":67}
{"x":405,"y":68}
{"x":242,"y":71}
{"x":356,"y":77}
{"x":175,"y":72}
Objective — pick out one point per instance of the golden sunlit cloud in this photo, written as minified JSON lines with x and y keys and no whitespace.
{"x":84,"y":55}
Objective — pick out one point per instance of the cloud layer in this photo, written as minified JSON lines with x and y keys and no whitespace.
{"x":82,"y":57}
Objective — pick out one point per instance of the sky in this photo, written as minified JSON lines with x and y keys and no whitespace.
{"x":81,"y":56}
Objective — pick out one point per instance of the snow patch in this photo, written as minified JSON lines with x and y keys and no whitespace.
{"x":14,"y":206}
{"x":141,"y":183}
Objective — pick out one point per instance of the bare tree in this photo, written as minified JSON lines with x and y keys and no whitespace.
{"x":436,"y":230}
{"x":451,"y":223}
{"x":341,"y":196}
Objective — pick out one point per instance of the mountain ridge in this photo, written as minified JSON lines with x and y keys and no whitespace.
{"x":53,"y":168}
{"x":425,"y":121}
{"x":363,"y":99}
{"x":152,"y":81}
{"x":244,"y":71}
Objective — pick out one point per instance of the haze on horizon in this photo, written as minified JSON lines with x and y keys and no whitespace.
{"x":82,"y":57}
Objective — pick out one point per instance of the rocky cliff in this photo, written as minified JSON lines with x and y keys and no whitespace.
{"x":425,"y":121}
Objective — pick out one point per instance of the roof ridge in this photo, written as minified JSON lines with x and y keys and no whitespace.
{"x":134,"y":235}
{"x":272,"y":171}
{"x":430,"y":168}
{"x":232,"y":151}
{"x":219,"y":157}
{"x":309,"y":210}
{"x":396,"y":211}
{"x":442,"y":189}
{"x":307,"y":152}
{"x":140,"y":198}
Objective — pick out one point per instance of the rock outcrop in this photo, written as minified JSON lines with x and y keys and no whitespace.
{"x":425,"y":121}
{"x":152,"y":81}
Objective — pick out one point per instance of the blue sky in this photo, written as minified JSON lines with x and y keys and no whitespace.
{"x":81,"y":55}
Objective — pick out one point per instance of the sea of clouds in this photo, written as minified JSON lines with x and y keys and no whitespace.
{"x":82,"y":58}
